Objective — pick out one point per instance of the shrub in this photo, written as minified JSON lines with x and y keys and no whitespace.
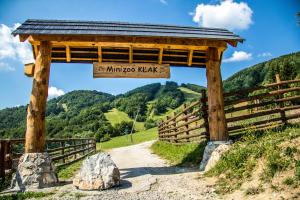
{"x":150,"y":123}
{"x":123,"y":128}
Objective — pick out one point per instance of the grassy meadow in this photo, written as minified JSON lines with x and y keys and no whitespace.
{"x":115,"y":116}
{"x":124,"y":140}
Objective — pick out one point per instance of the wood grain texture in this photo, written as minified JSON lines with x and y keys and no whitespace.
{"x":216,"y":114}
{"x":135,"y":70}
{"x":29,"y":69}
{"x":35,"y":132}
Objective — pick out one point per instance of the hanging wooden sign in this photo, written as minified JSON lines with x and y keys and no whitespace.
{"x":134,"y":70}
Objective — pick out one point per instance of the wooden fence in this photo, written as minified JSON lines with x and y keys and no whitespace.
{"x":61,"y":151}
{"x":258,"y":108}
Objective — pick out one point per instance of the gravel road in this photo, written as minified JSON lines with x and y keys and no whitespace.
{"x":145,"y":176}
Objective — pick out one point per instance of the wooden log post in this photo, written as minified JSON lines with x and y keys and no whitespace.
{"x":167,"y":127}
{"x":280,"y":104}
{"x":2,"y":160}
{"x":204,"y":112}
{"x":174,"y":126}
{"x":74,"y":149}
{"x":8,"y":155}
{"x":35,"y":132}
{"x":185,"y":121}
{"x":216,"y":113}
{"x":62,"y":144}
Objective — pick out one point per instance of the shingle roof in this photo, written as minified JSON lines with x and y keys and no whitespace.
{"x":72,"y":27}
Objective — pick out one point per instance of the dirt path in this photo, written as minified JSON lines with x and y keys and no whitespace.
{"x":144,"y":176}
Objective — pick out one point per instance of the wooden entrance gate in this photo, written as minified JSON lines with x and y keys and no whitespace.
{"x":109,"y":42}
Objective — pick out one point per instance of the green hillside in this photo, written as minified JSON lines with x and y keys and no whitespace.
{"x":288,"y":66}
{"x":85,"y":113}
{"x":189,"y":94}
{"x":114,"y":116}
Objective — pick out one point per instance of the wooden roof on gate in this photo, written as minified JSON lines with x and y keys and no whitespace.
{"x":99,"y":41}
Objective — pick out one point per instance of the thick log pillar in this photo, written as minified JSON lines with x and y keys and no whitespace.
{"x":35,"y":132}
{"x":216,"y":114}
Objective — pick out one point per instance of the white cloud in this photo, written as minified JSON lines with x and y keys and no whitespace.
{"x":164,"y":2}
{"x":238,"y":56}
{"x":227,"y":14}
{"x":6,"y":67}
{"x":12,"y":48}
{"x":54,"y":92}
{"x":264,"y":54}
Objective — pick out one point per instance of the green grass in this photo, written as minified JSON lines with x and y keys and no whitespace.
{"x":184,"y":154}
{"x":121,"y":141}
{"x":115,"y":116}
{"x":69,"y":171}
{"x":238,"y":164}
{"x":189,"y":94}
{"x":26,"y":195}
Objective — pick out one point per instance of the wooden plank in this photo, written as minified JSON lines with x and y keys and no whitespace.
{"x":35,"y":131}
{"x":246,"y":126}
{"x":261,"y":96}
{"x":280,"y":104}
{"x":199,"y":44}
{"x":130,"y":54}
{"x":160,"y":56}
{"x":100,"y":54}
{"x":181,"y":125}
{"x":183,"y":131}
{"x":190,"y":58}
{"x":204,"y":109}
{"x":2,"y":160}
{"x":184,"y":110}
{"x":29,"y":69}
{"x":253,"y":115}
{"x":248,"y":90}
{"x":68,"y":54}
{"x":135,"y":70}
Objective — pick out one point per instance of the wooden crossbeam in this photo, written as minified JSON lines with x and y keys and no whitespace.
{"x":68,"y":54}
{"x":130,"y":54}
{"x":94,"y":40}
{"x":160,"y":56}
{"x":190,"y":57}
{"x":99,"y":54}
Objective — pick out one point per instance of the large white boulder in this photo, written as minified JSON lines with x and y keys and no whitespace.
{"x":98,"y":172}
{"x":35,"y":170}
{"x":212,"y":154}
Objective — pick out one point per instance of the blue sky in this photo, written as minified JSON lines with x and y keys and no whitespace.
{"x":269,"y":27}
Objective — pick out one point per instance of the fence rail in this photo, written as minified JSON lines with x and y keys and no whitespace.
{"x":61,"y":151}
{"x":255,"y":108}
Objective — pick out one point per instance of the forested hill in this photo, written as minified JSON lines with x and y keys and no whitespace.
{"x":288,"y":66}
{"x":82,"y":113}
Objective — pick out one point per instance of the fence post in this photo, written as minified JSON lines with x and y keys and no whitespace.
{"x":167,"y":127}
{"x":186,"y":120}
{"x":74,"y":149}
{"x":159,"y":129}
{"x":174,"y":126}
{"x":2,"y":161}
{"x":203,"y":109}
{"x":281,"y":104}
{"x":8,"y":163}
{"x":62,"y":143}
{"x":94,"y":145}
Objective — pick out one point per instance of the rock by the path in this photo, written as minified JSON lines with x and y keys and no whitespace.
{"x":35,"y":170}
{"x":98,"y":172}
{"x":212,"y":153}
